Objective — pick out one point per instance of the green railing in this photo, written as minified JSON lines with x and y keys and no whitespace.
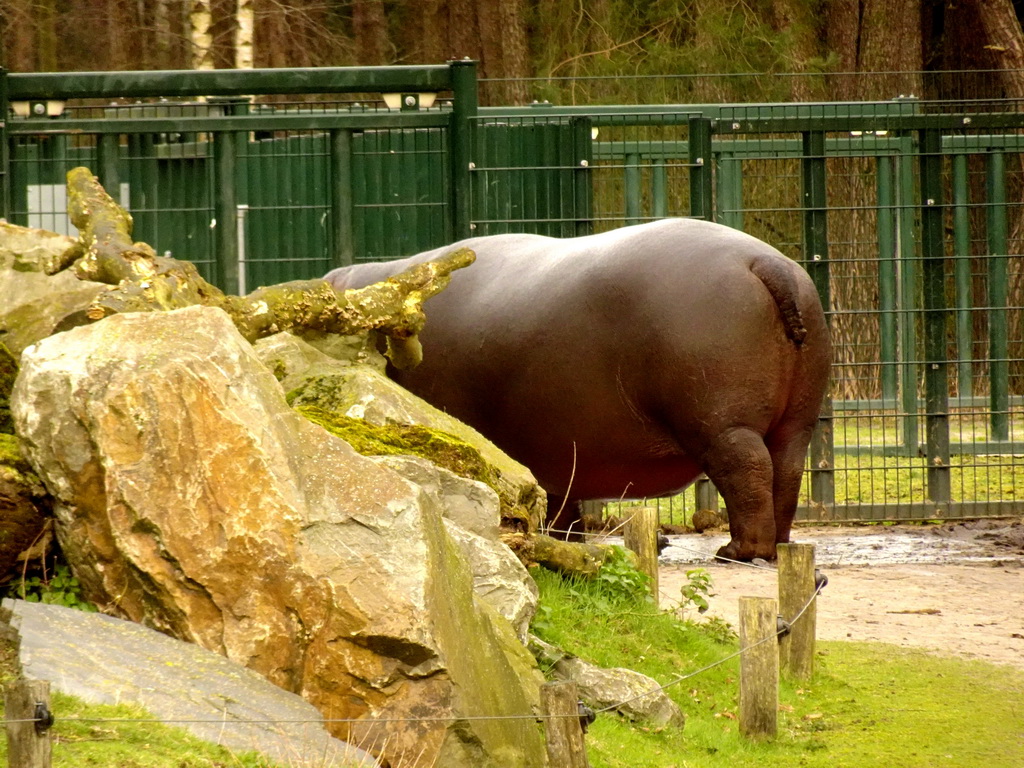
{"x":907,"y":215}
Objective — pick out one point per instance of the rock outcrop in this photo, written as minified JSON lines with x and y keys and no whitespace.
{"x":191,"y":498}
{"x":327,"y":380}
{"x":630,"y":694}
{"x":103,"y":660}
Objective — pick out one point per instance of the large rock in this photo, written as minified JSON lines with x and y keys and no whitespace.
{"x":631,"y":694}
{"x":471,"y":512}
{"x":104,"y":660}
{"x":38,"y":294}
{"x":189,"y":497}
{"x":333,"y":383}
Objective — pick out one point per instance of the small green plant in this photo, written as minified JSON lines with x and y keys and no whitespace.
{"x":696,"y":590}
{"x":62,"y":588}
{"x":619,"y":581}
{"x":718,"y":629}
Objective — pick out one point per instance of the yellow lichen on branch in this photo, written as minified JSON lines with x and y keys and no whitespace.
{"x":145,"y":282}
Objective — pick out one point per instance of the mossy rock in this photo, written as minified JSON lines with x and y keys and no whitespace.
{"x":8,"y":371}
{"x":370,"y":403}
{"x":443,"y":449}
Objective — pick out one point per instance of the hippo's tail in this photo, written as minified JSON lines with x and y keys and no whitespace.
{"x":777,"y":275}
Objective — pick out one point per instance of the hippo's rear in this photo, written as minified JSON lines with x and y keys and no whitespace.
{"x":626,"y":363}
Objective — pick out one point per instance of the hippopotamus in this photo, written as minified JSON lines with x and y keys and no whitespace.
{"x":626,"y":363}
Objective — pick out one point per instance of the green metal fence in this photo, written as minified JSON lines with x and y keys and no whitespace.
{"x":906,"y":214}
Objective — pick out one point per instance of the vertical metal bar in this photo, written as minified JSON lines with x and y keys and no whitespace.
{"x":5,"y":158}
{"x":634,"y":213}
{"x":659,"y":188}
{"x":907,"y":266}
{"x":107,"y":151}
{"x":421,"y":173}
{"x":701,"y":195}
{"x":464,"y":112}
{"x":342,"y":237}
{"x":224,"y":207}
{"x":962,"y":272}
{"x":935,"y":312}
{"x":998,"y":294}
{"x":730,"y":190}
{"x":241,"y":215}
{"x":360,"y":199}
{"x":583,"y":195}
{"x":886,"y":229}
{"x":816,"y":262}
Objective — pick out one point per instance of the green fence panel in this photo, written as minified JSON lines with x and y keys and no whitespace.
{"x":526,"y":176}
{"x":926,"y":414}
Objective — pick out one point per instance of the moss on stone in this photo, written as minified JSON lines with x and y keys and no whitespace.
{"x":8,"y":370}
{"x":443,"y":449}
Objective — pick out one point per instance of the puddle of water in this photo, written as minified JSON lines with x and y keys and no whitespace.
{"x":904,"y":548}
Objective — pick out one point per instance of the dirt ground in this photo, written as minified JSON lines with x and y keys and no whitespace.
{"x":956,"y":588}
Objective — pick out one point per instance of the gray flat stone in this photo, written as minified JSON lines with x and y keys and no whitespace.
{"x":105,"y":660}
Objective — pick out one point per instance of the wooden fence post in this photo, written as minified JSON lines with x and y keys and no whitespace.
{"x":28,"y":742}
{"x":641,"y":536}
{"x":565,"y":745}
{"x":796,"y":586}
{"x":759,"y":667}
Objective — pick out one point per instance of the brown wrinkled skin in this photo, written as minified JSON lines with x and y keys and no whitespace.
{"x":630,"y":362}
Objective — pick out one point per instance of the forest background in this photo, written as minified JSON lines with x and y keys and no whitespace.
{"x":950,"y":54}
{"x":570,"y":50}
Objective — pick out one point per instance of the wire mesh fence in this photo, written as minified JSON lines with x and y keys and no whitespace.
{"x":905,"y":211}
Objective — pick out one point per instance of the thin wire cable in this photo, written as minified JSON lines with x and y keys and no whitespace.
{"x":718,"y":663}
{"x":441,"y":719}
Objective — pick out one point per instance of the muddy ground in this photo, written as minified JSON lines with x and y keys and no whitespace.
{"x":954,"y":588}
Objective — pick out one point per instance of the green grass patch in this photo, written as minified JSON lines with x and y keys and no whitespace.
{"x":868,"y":704}
{"x":86,"y":735}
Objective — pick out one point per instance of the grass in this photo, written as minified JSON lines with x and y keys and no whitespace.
{"x":868,"y":704}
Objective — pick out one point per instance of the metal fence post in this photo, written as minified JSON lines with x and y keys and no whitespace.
{"x":701,"y":197}
{"x":659,"y":188}
{"x":106,"y":160}
{"x":464,"y":112}
{"x":908,"y":301}
{"x":815,"y":258}
{"x":962,"y":272}
{"x":5,"y":159}
{"x":343,"y":235}
{"x":935,"y":311}
{"x":583,"y":191}
{"x":998,"y":294}
{"x":730,"y":191}
{"x":631,"y":184}
{"x":225,"y":211}
{"x":887,"y":269}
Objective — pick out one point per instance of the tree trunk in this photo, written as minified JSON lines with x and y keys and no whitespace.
{"x":17,"y":26}
{"x":46,"y":37}
{"x":370,"y":30}
{"x":1004,"y":42}
{"x":200,"y":24}
{"x":799,"y":21}
{"x":245,"y":22}
{"x":879,"y":46}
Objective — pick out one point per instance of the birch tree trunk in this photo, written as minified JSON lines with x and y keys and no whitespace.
{"x":200,"y":22}
{"x":245,"y":23}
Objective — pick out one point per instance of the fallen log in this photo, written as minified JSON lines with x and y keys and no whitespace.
{"x":146,"y":282}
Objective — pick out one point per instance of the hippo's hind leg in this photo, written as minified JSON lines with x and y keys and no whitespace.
{"x":788,"y":456}
{"x":740,"y":466}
